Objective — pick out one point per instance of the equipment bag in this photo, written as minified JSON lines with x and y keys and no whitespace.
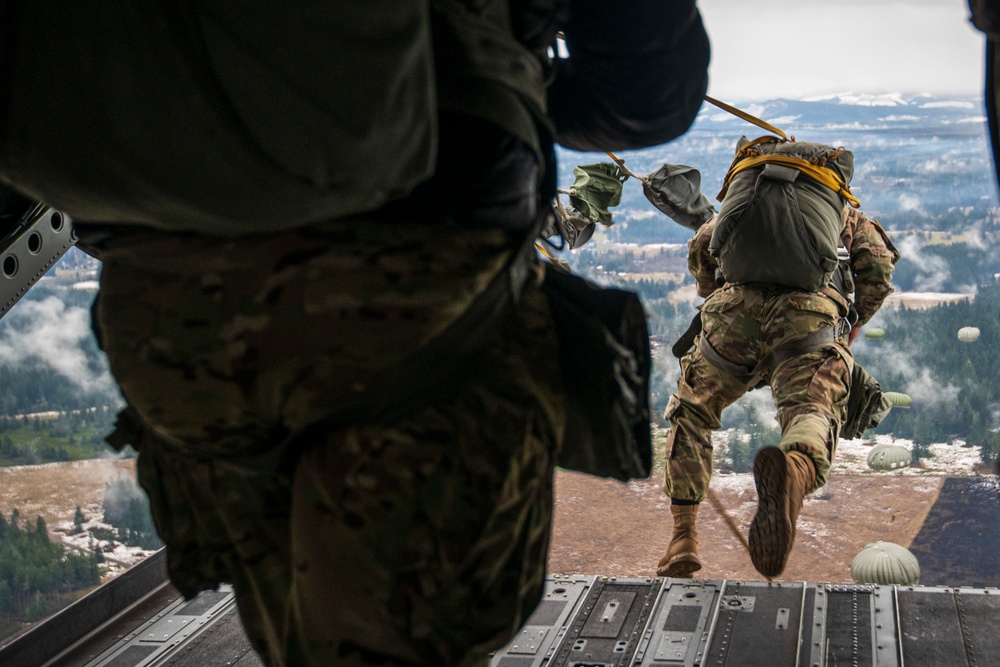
{"x":782,"y":213}
{"x":675,"y":189}
{"x":605,"y":360}
{"x":867,"y":406}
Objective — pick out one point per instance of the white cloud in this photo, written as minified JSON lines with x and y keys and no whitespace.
{"x":909,"y":203}
{"x":51,"y":332}
{"x":948,"y":104}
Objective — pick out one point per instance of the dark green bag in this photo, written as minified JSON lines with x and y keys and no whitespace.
{"x":605,"y":360}
{"x":675,"y":189}
{"x":777,"y":225}
{"x":867,"y":406}
{"x":596,"y":188}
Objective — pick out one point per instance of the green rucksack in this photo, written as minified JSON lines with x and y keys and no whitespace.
{"x":782,"y":213}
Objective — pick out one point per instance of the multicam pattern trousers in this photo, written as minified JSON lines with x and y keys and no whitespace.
{"x":420,"y":542}
{"x":744,"y":324}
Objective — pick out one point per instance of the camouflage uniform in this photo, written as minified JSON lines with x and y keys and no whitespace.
{"x":744,"y":323}
{"x":322,"y":213}
{"x":421,"y":542}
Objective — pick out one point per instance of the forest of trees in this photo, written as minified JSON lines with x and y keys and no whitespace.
{"x":955,"y":386}
{"x":126,"y":508}
{"x":36,"y":574}
{"x":69,"y":436}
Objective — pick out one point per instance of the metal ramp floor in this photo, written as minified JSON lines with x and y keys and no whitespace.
{"x":588,"y":621}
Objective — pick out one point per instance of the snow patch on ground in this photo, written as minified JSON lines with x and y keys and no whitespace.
{"x":946,"y":459}
{"x":956,"y":458}
{"x":117,"y":556}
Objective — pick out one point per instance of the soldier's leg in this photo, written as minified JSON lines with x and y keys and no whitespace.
{"x":810,"y":393}
{"x":424,"y":543}
{"x":694,"y":411}
{"x":222,"y":359}
{"x":703,"y":391}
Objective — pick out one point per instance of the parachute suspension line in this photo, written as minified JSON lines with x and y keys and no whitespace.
{"x":747,"y":117}
{"x":625,"y":170}
{"x":555,"y":262}
{"x":560,"y":209}
{"x":728,"y":520}
{"x":747,"y":159}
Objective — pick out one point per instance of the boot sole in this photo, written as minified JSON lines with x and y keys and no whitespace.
{"x":770,"y":531}
{"x":680,"y":566}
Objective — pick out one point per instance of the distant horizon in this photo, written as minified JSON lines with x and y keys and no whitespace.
{"x":977,"y":95}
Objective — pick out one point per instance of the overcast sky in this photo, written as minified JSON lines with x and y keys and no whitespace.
{"x":763,"y":49}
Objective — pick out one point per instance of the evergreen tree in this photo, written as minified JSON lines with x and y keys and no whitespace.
{"x":78,"y":520}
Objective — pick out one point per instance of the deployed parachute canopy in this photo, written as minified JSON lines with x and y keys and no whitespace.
{"x":889,"y":457}
{"x":899,"y":399}
{"x":968,"y":334}
{"x":875,"y":332}
{"x":885,"y":563}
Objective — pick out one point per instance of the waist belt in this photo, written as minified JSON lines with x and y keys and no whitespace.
{"x":754,"y":377}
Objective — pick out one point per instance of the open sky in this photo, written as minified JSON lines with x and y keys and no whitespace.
{"x":764,"y":49}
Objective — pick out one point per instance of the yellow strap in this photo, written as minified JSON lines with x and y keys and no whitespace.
{"x":823,"y":175}
{"x":747,"y":117}
{"x":556,"y":262}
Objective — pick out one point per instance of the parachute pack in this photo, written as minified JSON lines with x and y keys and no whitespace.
{"x":782,"y":213}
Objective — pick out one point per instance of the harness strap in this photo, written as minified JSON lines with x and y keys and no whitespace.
{"x":712,"y":356}
{"x":817,"y":340}
{"x":821,"y":174}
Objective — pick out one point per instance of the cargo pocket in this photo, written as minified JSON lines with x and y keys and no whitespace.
{"x":719,"y":314}
{"x":807,"y":312}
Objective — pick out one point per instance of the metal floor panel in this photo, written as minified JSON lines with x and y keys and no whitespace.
{"x":203,"y":632}
{"x":717,"y":623}
{"x":587,"y":621}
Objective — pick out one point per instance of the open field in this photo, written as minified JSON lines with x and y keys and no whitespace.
{"x":606,"y":527}
{"x":609,"y":528}
{"x":53,"y":490}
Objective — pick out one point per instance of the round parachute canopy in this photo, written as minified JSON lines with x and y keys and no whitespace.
{"x":888,"y":457}
{"x":885,"y":563}
{"x":898,"y":399}
{"x":876,"y":332}
{"x":968,"y":334}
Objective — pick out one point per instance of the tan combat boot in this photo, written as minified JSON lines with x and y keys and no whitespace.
{"x":782,"y":484}
{"x":681,"y":558}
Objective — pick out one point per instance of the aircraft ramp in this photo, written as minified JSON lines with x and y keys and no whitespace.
{"x":582,"y":621}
